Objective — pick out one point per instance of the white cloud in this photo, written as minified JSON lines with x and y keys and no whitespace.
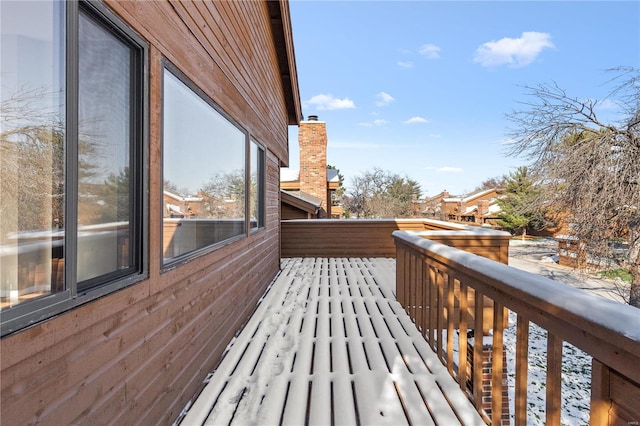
{"x":377,"y":122}
{"x":607,"y":105}
{"x":431,"y":51}
{"x":405,"y":64}
{"x":514,"y":52}
{"x":384,"y":99}
{"x":329,"y":102}
{"x":445,"y":169}
{"x":416,"y":119}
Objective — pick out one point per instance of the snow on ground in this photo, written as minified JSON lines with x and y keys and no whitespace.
{"x":536,"y":257}
{"x":576,"y":377}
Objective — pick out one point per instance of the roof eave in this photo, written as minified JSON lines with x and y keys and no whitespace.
{"x":283,"y":41}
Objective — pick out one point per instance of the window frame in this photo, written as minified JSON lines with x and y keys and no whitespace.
{"x":25,"y":314}
{"x":175,"y":262}
{"x":261,"y":189}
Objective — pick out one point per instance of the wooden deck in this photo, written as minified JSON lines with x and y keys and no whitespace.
{"x":329,"y":344}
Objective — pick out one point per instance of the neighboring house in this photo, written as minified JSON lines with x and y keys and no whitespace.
{"x":313,"y":181}
{"x":432,"y":207}
{"x":299,"y":205}
{"x":177,"y":206}
{"x":479,"y":207}
{"x":119,"y":318}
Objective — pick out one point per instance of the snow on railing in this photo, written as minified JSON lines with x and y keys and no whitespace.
{"x":444,"y":290}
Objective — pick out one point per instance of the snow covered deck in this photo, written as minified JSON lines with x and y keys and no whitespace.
{"x":329,"y":344}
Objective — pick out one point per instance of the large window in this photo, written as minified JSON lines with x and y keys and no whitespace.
{"x":212,"y":174}
{"x":71,"y":131}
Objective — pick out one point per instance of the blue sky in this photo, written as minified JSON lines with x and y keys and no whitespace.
{"x":421,"y":88}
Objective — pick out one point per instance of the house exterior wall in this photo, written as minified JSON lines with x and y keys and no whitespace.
{"x":139,"y":354}
{"x":290,"y":212}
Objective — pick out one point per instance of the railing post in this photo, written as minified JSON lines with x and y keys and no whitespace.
{"x":554,"y":378}
{"x":477,"y":348}
{"x":401,"y":275}
{"x":522,"y":367}
{"x":600,"y":390}
{"x":463,"y":372}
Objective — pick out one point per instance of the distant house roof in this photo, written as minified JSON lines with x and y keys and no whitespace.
{"x":301,"y":200}
{"x":173,"y":209}
{"x":293,"y":175}
{"x":470,"y":209}
{"x":181,"y":198}
{"x":289,"y":175}
{"x":471,"y":196}
{"x":332,"y":176}
{"x":494,"y":208}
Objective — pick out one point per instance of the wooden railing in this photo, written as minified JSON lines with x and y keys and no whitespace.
{"x":372,"y":237}
{"x":439,"y":286}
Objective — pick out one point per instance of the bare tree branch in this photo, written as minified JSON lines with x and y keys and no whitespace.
{"x":589,"y":168}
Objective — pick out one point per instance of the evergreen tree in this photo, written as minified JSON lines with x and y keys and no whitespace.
{"x":520,"y":207}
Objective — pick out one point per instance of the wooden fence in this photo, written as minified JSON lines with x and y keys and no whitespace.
{"x":372,"y":237}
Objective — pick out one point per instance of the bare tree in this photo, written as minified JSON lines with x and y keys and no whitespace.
{"x":379,"y":193}
{"x":225,"y":194}
{"x":590,"y":168}
{"x":491,"y":183}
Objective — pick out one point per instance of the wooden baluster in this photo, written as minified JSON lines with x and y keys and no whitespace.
{"x":600,"y":391}
{"x":463,"y":375}
{"x":418,"y":285}
{"x":426,"y":287}
{"x":401,"y":276}
{"x":554,"y":379}
{"x":522,"y":367}
{"x":441,"y":283}
{"x":450,"y":321}
{"x":411,"y":275}
{"x":497,"y":364}
{"x":477,"y":349}
{"x":433,"y":307}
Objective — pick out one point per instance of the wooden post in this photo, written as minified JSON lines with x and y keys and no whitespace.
{"x":554,"y":379}
{"x":600,"y":394}
{"x":522,"y":367}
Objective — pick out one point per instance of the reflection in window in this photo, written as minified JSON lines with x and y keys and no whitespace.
{"x":104,"y":120}
{"x":71,"y":200}
{"x":256,"y":187}
{"x":32,"y":145}
{"x":204,"y":172}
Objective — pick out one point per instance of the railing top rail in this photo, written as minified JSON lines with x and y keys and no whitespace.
{"x":438,"y":224}
{"x":412,"y":220}
{"x":464,"y":232}
{"x":608,"y":330}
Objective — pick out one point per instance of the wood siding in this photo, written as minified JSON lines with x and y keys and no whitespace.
{"x":138,"y":355}
{"x":372,"y":238}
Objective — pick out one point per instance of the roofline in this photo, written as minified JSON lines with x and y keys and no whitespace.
{"x":283,"y":41}
{"x":297,"y":202}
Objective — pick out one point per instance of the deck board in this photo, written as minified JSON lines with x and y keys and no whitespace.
{"x":329,"y":344}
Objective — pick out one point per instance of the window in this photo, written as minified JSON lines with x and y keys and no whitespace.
{"x":72,"y":157}
{"x":256,"y":193}
{"x":213,"y":174}
{"x":204,"y":172}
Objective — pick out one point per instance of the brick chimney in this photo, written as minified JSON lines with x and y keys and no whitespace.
{"x":312,"y":138}
{"x":483,"y":208}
